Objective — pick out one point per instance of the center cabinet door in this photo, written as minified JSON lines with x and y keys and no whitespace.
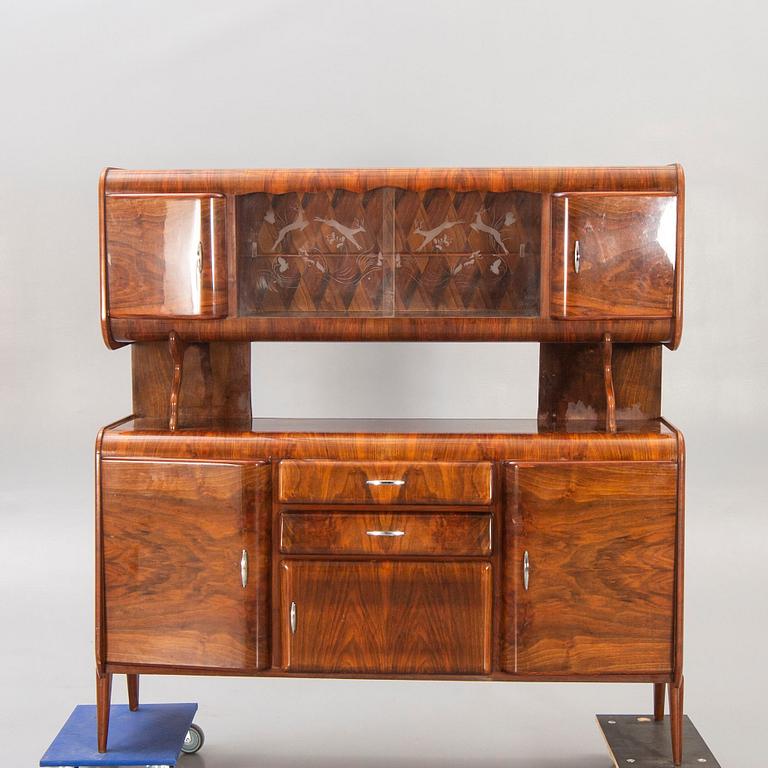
{"x":185,"y":563}
{"x":386,"y":617}
{"x":590,"y":568}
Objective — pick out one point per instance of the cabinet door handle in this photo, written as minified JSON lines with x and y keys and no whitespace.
{"x":293,"y":618}
{"x":200,"y":258}
{"x":385,"y":482}
{"x":386,"y":533}
{"x":244,"y":568}
{"x":576,"y":257}
{"x":526,"y":570}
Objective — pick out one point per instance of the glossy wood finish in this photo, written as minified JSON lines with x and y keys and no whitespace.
{"x":173,"y":534}
{"x":662,"y":178}
{"x":342,"y":533}
{"x":572,"y":383}
{"x":214,"y":382}
{"x":627,"y":255}
{"x":601,"y":544}
{"x":356,"y":483}
{"x":166,"y":256}
{"x":659,"y":695}
{"x":399,"y":441}
{"x":387,"y":617}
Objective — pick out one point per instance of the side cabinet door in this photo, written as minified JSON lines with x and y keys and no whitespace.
{"x":185,"y":563}
{"x":166,"y":256}
{"x":613,"y":255}
{"x":386,"y":617}
{"x":590,"y":568}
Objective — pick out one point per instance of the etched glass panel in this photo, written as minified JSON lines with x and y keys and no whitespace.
{"x":467,"y":253}
{"x":313,"y":254}
{"x":389,"y":252}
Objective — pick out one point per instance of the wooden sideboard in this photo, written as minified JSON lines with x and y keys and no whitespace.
{"x":548,"y":548}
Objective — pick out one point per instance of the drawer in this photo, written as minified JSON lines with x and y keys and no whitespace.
{"x":342,"y":533}
{"x":385,"y":482}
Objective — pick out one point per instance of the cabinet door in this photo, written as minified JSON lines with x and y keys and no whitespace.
{"x":386,"y":617}
{"x":166,"y":256}
{"x":599,"y":542}
{"x":178,"y":589}
{"x":613,"y":255}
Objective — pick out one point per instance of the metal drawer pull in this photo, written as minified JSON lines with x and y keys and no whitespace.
{"x":386,"y":533}
{"x":244,"y":569}
{"x":526,"y":570}
{"x":577,"y":257}
{"x":385,"y":482}
{"x":293,"y":618}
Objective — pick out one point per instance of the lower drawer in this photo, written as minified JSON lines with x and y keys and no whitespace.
{"x":343,"y":533}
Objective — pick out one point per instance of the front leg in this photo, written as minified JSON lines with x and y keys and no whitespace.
{"x":103,"y":700}
{"x":676,"y":720}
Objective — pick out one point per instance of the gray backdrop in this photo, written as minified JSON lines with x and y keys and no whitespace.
{"x":192,"y":84}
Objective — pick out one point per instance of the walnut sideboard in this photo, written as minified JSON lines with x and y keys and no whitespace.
{"x":541,"y":549}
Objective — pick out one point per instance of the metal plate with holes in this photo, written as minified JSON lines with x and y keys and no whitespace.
{"x":641,"y":742}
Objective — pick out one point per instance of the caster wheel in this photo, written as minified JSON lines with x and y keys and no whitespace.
{"x":194,"y":740}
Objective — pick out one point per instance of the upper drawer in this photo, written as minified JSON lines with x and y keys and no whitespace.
{"x":386,"y":534}
{"x":385,"y":482}
{"x":613,"y":255}
{"x":166,"y":256}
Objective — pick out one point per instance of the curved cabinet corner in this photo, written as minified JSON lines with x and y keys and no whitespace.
{"x":166,"y":256}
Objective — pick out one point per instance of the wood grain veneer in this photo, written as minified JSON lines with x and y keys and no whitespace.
{"x":387,"y":617}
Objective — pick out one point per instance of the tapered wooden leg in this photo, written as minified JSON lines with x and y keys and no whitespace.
{"x":676,"y":720}
{"x":103,"y":700}
{"x":133,"y":692}
{"x":659,"y":692}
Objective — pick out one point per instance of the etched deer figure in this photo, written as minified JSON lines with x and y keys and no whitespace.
{"x":480,"y":226}
{"x":344,"y":231}
{"x":430,"y":234}
{"x":299,"y":223}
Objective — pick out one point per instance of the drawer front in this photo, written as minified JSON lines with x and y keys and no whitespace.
{"x":166,"y":256}
{"x":342,"y":533}
{"x":613,"y":255}
{"x":384,"y":482}
{"x":386,"y":617}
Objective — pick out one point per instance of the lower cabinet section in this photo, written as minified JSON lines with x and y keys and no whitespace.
{"x":386,"y":617}
{"x":185,"y":567}
{"x":590,"y":568}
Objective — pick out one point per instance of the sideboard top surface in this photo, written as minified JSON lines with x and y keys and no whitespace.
{"x":393,"y":439}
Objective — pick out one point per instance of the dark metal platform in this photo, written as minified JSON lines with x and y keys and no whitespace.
{"x":639,"y":741}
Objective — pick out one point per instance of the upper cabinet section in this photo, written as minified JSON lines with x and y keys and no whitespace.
{"x":166,"y":256}
{"x":539,"y":254}
{"x":613,"y":255}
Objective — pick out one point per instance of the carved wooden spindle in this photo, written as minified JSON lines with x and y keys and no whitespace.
{"x":610,"y":396}
{"x":177,"y":348}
